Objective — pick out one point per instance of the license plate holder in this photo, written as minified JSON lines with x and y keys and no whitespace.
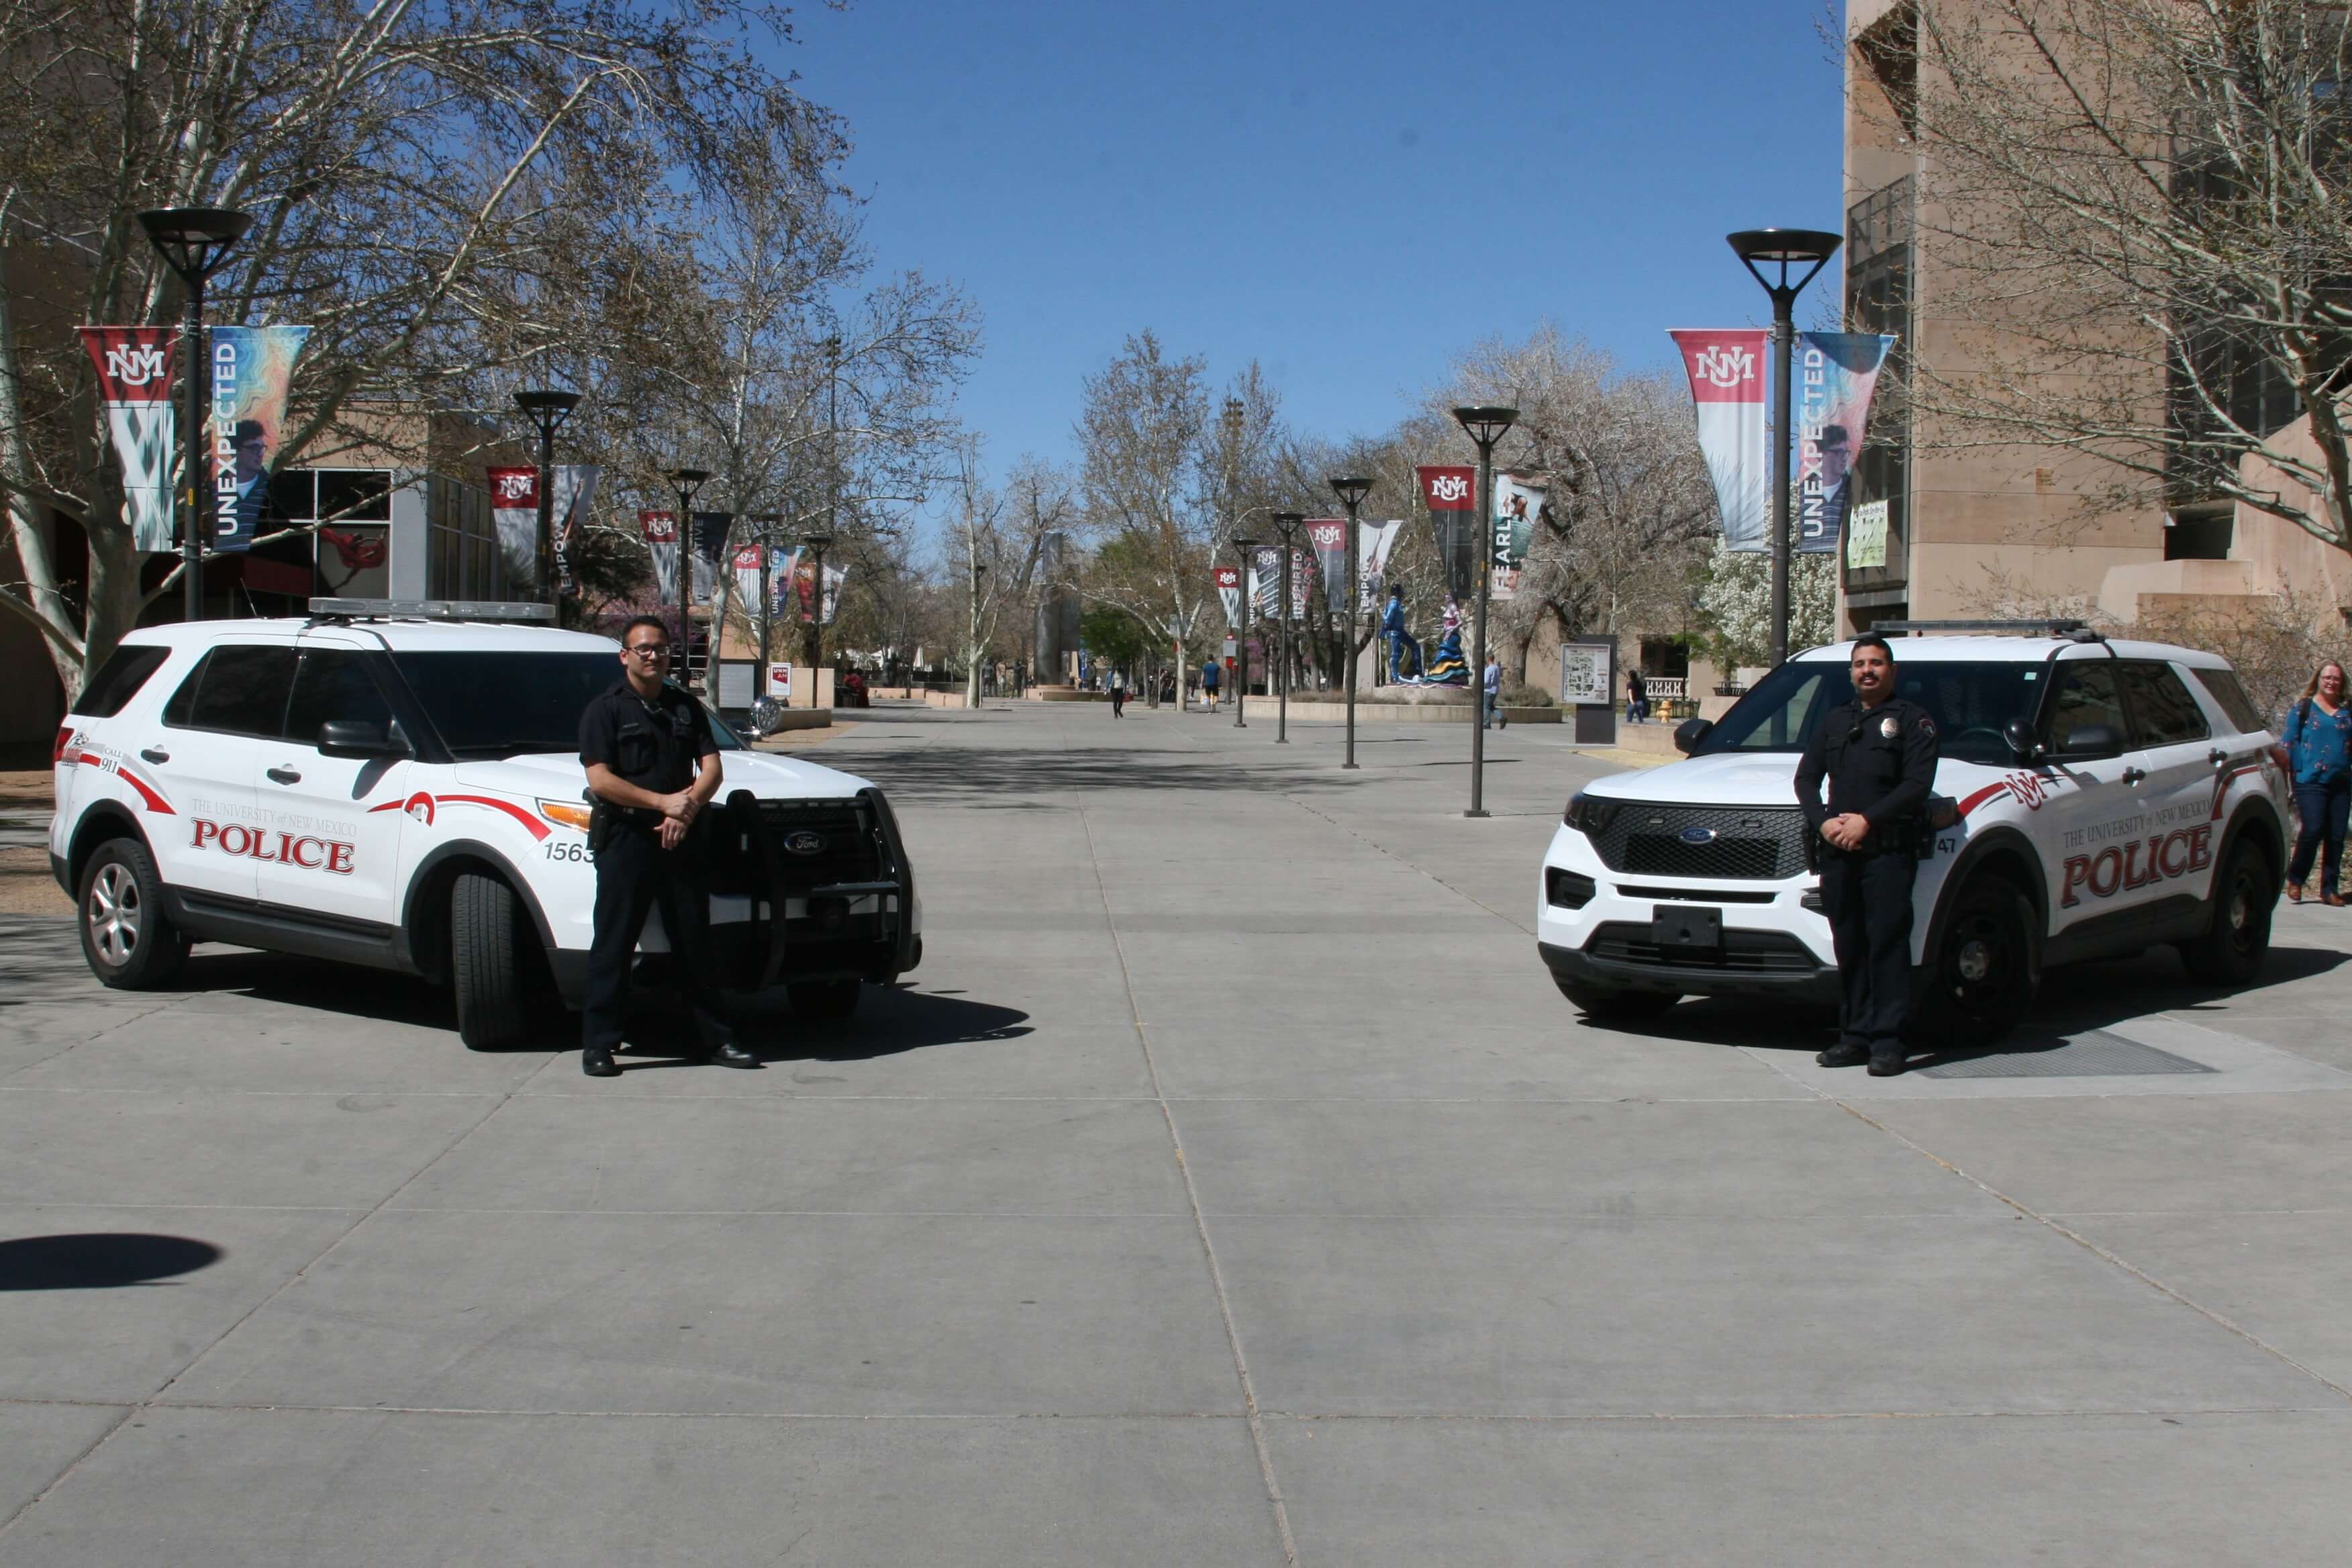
{"x":1687,"y":926}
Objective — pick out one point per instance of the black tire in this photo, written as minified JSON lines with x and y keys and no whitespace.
{"x":1608,"y":1003}
{"x":1983,"y":975}
{"x":2238,"y":936}
{"x":825,"y":1001}
{"x":130,"y":944}
{"x":487,"y":965}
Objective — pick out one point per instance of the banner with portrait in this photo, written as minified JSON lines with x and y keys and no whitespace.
{"x":1375,"y":543}
{"x":1834,"y":376}
{"x":252,"y":368}
{"x":135,"y":366}
{"x":711,"y":532}
{"x":575,"y":487}
{"x":1518,"y":502}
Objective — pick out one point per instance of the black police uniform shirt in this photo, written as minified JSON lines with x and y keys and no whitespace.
{"x":1880,"y":762}
{"x":653,"y":745}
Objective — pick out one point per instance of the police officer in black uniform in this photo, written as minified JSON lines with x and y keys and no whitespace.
{"x":1879,"y":753}
{"x":652,"y":766}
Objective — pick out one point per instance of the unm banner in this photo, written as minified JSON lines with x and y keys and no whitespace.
{"x":1229,"y":593}
{"x":1327,"y":537}
{"x":1518,"y":504}
{"x":1726,"y":381}
{"x":1834,"y":376}
{"x":661,"y":530}
{"x":252,"y":367}
{"x":747,"y":574}
{"x":1375,"y":542}
{"x":514,"y":509}
{"x":134,"y":383}
{"x":1452,"y":496}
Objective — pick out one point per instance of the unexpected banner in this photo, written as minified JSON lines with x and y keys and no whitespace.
{"x":134,"y":384}
{"x":1375,"y":542}
{"x":783,"y":565}
{"x":661,"y":542}
{"x":1229,"y":593}
{"x":1834,"y":376}
{"x":252,"y":367}
{"x":1518,"y":504}
{"x":1451,"y":495}
{"x":514,"y":508}
{"x":1726,"y":381}
{"x":1327,"y":538}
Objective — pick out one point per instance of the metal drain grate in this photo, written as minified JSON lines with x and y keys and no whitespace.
{"x":2092,"y":1054}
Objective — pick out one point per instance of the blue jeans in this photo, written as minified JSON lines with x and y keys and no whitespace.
{"x":2323,"y":807}
{"x":1492,"y":713}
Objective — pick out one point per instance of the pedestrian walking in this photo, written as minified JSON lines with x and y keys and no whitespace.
{"x":1492,"y":688}
{"x":1117,"y":695}
{"x":1637,"y":698}
{"x":1878,"y":753}
{"x":653,"y":766}
{"x":2317,"y":736}
{"x":1208,"y":679}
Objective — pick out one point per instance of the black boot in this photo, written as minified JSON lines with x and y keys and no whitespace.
{"x":1845,"y":1055}
{"x":1888,"y":1064}
{"x":732,"y":1054}
{"x":597,"y":1061}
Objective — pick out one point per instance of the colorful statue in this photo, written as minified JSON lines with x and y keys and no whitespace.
{"x":1445,"y":666}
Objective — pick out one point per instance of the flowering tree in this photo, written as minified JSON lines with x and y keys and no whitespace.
{"x":1737,"y":603}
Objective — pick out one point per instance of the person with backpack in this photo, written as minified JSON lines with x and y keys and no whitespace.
{"x":2317,"y":736}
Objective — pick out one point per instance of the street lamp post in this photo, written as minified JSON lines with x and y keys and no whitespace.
{"x":686,"y":481}
{"x":817,"y":545}
{"x":1286,"y":528}
{"x":1809,"y":248}
{"x":548,"y":410}
{"x":195,"y":243}
{"x":1352,"y":488}
{"x":1244,"y":546}
{"x":1485,"y":426}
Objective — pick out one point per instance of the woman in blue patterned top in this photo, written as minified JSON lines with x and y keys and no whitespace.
{"x":2318,"y":740}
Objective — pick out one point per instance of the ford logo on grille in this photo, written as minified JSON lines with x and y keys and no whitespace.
{"x":807,"y":842}
{"x":1696,"y":835}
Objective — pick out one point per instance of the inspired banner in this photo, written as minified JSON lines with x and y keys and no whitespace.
{"x":251,"y":369}
{"x":1229,"y":593}
{"x":1518,"y":504}
{"x":575,"y":487}
{"x":1727,"y":382}
{"x":1375,"y":542}
{"x":514,"y":508}
{"x":1327,"y":538}
{"x":1451,"y":495}
{"x":134,"y":383}
{"x":661,"y":542}
{"x":1835,"y":373}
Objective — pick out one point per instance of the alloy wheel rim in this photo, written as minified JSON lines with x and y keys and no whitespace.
{"x":114,"y":913}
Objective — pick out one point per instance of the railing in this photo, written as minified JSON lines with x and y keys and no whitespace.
{"x":1666,"y":687}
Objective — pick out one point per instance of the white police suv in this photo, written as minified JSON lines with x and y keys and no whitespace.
{"x":401,"y":787}
{"x":2094,"y":799}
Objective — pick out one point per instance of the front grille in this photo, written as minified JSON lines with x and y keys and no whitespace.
{"x":848,"y":852}
{"x":1693,"y":895}
{"x":1742,"y":953}
{"x":1749,"y":841}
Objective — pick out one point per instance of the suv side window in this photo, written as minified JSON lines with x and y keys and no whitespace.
{"x":236,"y":690}
{"x":117,"y":680}
{"x":2164,"y":714}
{"x":334,"y":683}
{"x":2087,"y":695}
{"x":2226,"y":691}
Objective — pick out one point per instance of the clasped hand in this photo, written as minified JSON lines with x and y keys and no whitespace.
{"x":1846,"y":830}
{"x":678,"y":815}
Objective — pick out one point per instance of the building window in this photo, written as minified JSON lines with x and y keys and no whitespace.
{"x":1879,"y":260}
{"x":462,"y":560}
{"x":2200,"y":533}
{"x":1889,"y":50}
{"x":349,"y":550}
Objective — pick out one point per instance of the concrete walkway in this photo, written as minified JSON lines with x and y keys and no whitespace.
{"x":1231,"y":1186}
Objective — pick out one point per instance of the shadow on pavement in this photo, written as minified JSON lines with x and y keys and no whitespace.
{"x":98,"y":1260}
{"x":890,"y":1021}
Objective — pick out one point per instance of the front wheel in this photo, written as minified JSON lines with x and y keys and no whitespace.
{"x":130,"y":942}
{"x":824,"y":1001}
{"x":2238,"y":937}
{"x":1986,"y":970}
{"x":1606,"y":1003}
{"x":486,"y":930}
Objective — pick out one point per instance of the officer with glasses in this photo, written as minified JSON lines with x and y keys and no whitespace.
{"x":1878,"y":753}
{"x":652,"y":766}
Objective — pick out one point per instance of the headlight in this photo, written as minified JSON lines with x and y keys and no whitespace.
{"x":1588,"y":814}
{"x":565,"y":813}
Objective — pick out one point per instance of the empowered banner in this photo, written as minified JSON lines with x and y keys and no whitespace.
{"x":1726,"y":367}
{"x":1375,"y":542}
{"x":134,"y":382}
{"x":1834,"y":376}
{"x":252,"y":368}
{"x":1451,"y":494}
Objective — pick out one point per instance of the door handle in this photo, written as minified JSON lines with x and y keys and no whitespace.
{"x":2133,"y":775}
{"x":285,"y":775}
{"x":2218,"y":757}
{"x":156,"y":754}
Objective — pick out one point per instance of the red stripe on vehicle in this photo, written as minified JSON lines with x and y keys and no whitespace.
{"x":1982,"y":796}
{"x":156,"y":802}
{"x":2221,"y":787}
{"x":537,"y":830}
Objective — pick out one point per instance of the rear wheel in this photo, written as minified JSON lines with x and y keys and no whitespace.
{"x":824,"y":1001}
{"x":2238,"y":937}
{"x":130,"y":942}
{"x":486,"y":967}
{"x":1607,"y":1002}
{"x":1986,"y":970}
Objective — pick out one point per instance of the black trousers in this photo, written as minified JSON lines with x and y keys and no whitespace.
{"x":1868,"y":900}
{"x":636,"y":874}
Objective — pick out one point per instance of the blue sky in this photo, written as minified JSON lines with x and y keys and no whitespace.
{"x":1350,"y":193}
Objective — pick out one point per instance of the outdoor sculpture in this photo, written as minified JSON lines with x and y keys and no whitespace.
{"x":1446,"y":666}
{"x":1392,"y":633}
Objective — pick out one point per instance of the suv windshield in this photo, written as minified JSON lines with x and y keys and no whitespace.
{"x":1969,"y":702}
{"x":488,"y":704}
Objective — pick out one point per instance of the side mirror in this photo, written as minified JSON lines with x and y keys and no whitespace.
{"x":2095,"y":741}
{"x":2020,"y":736}
{"x":357,"y":738}
{"x":1690,"y":733}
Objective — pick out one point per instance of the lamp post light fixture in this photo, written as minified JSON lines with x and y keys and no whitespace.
{"x":1758,"y":248}
{"x":816,"y":545}
{"x":1352,"y":488}
{"x":1287,"y":525}
{"x":686,"y":481}
{"x":1244,"y":547}
{"x":195,"y":243}
{"x":1486,"y":426}
{"x":548,"y":410}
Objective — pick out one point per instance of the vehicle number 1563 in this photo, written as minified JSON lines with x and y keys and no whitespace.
{"x":572,"y":850}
